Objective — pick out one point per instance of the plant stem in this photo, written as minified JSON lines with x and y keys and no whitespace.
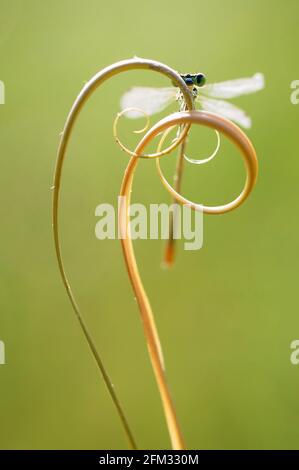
{"x":150,"y":330}
{"x":86,"y":92}
{"x":169,"y":252}
{"x":244,"y":145}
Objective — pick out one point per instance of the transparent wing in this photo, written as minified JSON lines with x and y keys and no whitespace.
{"x":226,"y":110}
{"x":150,"y":100}
{"x":234,"y":88}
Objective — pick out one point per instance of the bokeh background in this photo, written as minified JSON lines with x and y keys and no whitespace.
{"x":227,"y":313}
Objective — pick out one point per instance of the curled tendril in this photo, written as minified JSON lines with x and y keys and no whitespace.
{"x":207,"y":159}
{"x":127,"y":110}
{"x":175,"y":142}
{"x":217,"y":123}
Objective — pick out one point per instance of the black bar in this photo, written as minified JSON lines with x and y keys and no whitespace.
{"x":134,"y":459}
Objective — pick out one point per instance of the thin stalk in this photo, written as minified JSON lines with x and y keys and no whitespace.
{"x":169,"y":252}
{"x":150,"y":330}
{"x":86,"y":92}
{"x":249,"y":156}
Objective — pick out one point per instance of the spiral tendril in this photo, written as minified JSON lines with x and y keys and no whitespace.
{"x":207,"y":159}
{"x":175,"y":142}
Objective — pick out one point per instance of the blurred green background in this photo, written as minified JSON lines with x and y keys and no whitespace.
{"x":227,"y":313}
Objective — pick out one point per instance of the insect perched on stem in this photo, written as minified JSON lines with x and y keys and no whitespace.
{"x":210,"y":98}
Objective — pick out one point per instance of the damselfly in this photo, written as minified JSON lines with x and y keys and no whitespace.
{"x":207,"y":97}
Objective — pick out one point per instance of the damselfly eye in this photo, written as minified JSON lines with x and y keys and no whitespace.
{"x":187,"y":79}
{"x":200,"y":79}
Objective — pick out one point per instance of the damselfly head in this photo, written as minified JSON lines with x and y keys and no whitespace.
{"x":197,"y":79}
